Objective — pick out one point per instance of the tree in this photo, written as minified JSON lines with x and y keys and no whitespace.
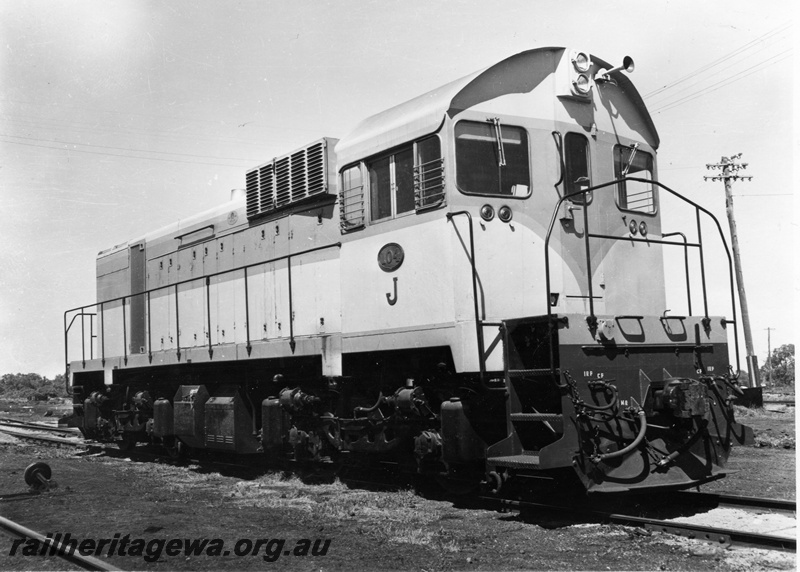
{"x":31,"y":386}
{"x":782,"y":364}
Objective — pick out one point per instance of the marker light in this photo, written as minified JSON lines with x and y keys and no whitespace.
{"x":632,"y":227}
{"x":581,"y":62}
{"x":505,"y":214}
{"x":643,"y":228}
{"x":487,"y":212}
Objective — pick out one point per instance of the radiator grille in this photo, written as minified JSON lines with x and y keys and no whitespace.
{"x":291,"y":178}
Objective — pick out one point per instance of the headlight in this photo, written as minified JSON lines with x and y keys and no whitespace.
{"x":505,"y":213}
{"x":581,"y":62}
{"x":582,"y":84}
{"x":643,"y":228}
{"x":632,"y":227}
{"x":487,"y":212}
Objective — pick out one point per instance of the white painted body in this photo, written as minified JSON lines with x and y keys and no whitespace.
{"x":340,"y":295}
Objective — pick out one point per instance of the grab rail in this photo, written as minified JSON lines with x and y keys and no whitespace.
{"x":592,"y":319}
{"x":478,"y":316}
{"x":81,"y":310}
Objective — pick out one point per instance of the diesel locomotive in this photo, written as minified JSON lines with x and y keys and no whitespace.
{"x":469,"y":287}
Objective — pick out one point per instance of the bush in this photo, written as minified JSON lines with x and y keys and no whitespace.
{"x":31,"y":386}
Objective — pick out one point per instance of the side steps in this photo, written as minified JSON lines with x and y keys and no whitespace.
{"x":532,"y":376}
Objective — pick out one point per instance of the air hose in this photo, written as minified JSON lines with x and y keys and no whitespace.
{"x":635,"y":443}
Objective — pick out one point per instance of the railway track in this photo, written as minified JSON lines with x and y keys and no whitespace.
{"x":33,"y":432}
{"x":715,"y":534}
{"x":11,"y":422}
{"x":721,"y":499}
{"x":17,"y":531}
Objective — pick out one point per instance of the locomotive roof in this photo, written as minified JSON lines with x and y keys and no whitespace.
{"x":424,"y":114}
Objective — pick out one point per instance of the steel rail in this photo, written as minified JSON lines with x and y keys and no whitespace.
{"x":43,"y":438}
{"x":59,"y":549}
{"x":721,"y":499}
{"x":722,"y":536}
{"x":714,"y":534}
{"x":9,"y":422}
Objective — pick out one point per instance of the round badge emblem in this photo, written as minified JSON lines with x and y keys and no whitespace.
{"x":391,"y":257}
{"x":232,"y":218}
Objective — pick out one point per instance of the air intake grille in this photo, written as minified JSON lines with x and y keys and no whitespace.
{"x":291,"y":178}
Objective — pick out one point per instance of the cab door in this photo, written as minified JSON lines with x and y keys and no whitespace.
{"x":583,"y":276}
{"x":138,"y":310}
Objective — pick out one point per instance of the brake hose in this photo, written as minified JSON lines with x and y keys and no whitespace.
{"x":635,"y":443}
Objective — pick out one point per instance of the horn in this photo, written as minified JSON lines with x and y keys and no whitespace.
{"x":627,"y":65}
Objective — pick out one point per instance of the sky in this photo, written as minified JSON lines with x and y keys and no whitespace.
{"x":117,"y":118}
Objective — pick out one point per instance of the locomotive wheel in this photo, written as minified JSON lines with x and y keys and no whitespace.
{"x":37,"y":476}
{"x":175,"y":448}
{"x":128,"y":442}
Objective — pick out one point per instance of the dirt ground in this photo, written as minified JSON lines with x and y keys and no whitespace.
{"x":102,"y":497}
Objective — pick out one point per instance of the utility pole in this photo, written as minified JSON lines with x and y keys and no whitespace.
{"x":729,"y":169}
{"x":769,"y":354}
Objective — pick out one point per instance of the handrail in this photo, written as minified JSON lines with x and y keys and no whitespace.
{"x":685,"y":262}
{"x":592,"y":318}
{"x":82,"y":314}
{"x":478,"y":320}
{"x":82,"y":309}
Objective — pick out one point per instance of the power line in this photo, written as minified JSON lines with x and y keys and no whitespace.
{"x":765,"y":195}
{"x":123,"y":148}
{"x":127,"y":114}
{"x":707,"y":78}
{"x":118,"y":155}
{"x":717,"y":61}
{"x":51,"y":123}
{"x":719,"y":85}
{"x":114,"y":112}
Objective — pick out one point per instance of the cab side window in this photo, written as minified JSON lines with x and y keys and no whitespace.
{"x":409,"y":179}
{"x":429,"y":173}
{"x":391,"y":184}
{"x":352,"y":198}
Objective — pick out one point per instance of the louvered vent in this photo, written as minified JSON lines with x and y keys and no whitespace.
{"x":267,"y":187}
{"x":253,"y":203}
{"x":283,"y":182}
{"x":291,"y":178}
{"x":315,"y":160}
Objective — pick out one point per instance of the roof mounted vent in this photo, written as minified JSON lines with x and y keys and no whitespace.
{"x":299,"y":176}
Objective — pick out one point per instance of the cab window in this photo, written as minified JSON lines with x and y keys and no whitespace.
{"x":429,"y":173}
{"x":391,"y":184}
{"x":352,"y":198}
{"x":634,"y":195}
{"x":576,"y":167}
{"x":409,"y":179}
{"x":492,"y":159}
